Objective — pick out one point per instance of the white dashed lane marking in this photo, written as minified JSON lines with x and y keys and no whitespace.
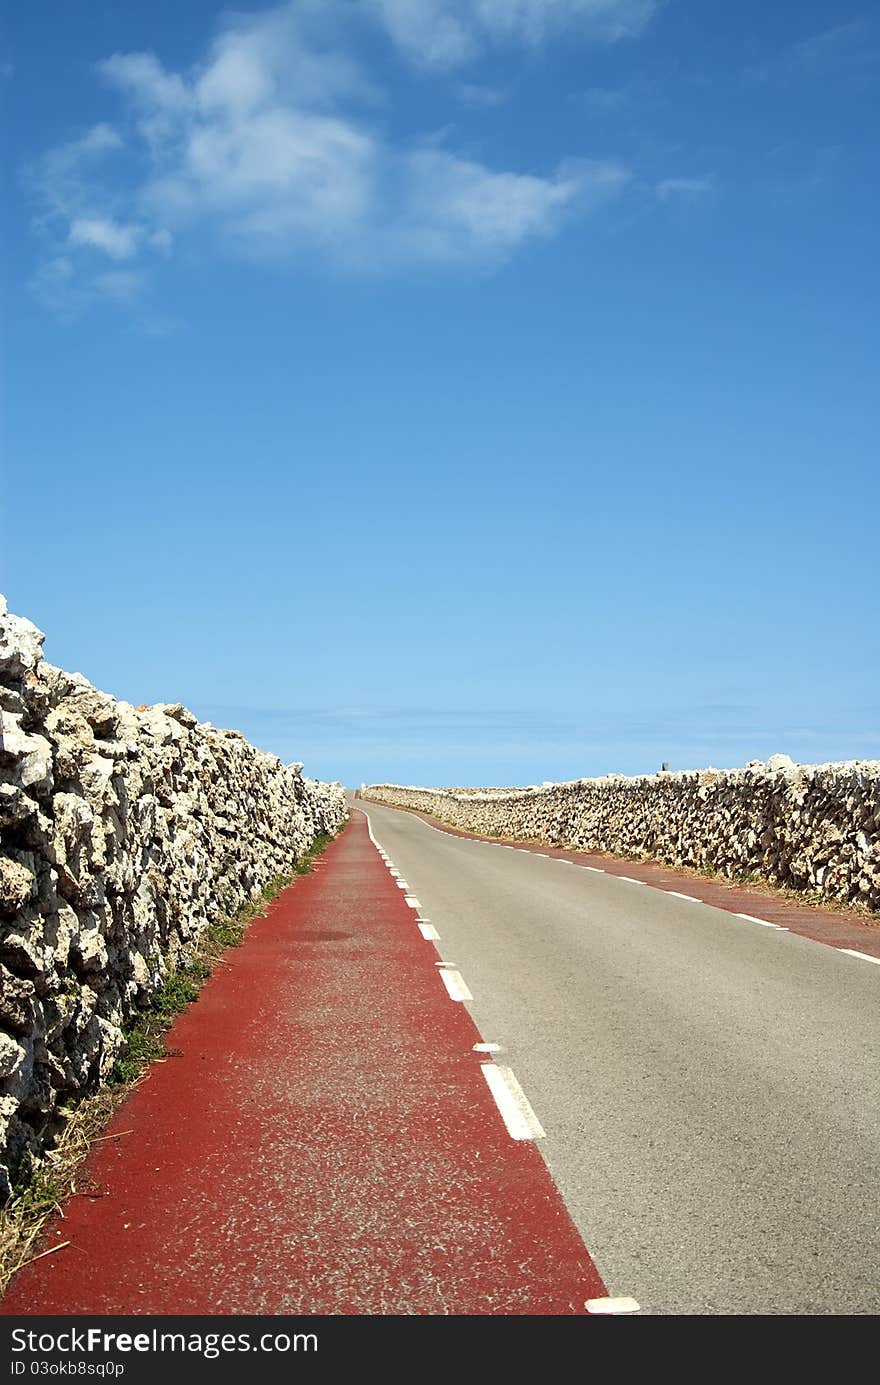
{"x":512,"y":1102}
{"x":596,"y":1306}
{"x":765,"y":923}
{"x":455,"y":984}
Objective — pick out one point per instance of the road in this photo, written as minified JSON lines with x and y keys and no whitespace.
{"x":709,"y":1088}
{"x":321,"y":1139}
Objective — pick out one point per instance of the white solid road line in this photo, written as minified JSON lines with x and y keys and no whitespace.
{"x":435,"y":829}
{"x":428,"y":932}
{"x":413,"y":903}
{"x":512,"y":1102}
{"x":372,"y":838}
{"x":765,"y":923}
{"x":454,"y":983}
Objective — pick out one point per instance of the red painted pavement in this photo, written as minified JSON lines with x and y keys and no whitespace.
{"x":325,"y":1143}
{"x":810,"y":921}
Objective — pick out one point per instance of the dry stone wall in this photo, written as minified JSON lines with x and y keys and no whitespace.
{"x":123,"y":834}
{"x":811,"y":827}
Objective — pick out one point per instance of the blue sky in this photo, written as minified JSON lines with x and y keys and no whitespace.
{"x":451,"y":392}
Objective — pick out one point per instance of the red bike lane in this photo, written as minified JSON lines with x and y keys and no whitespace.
{"x":324,"y":1142}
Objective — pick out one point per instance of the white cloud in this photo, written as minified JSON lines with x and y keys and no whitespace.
{"x":62,"y":288}
{"x":534,"y":20}
{"x":270,"y":145}
{"x":446,"y":33}
{"x":61,"y":178}
{"x":436,"y":32}
{"x":102,"y":233}
{"x":277,"y":166}
{"x":159,"y":99}
{"x":452,"y":207}
{"x":274,"y":179}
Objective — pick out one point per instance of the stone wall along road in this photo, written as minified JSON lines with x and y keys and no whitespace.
{"x":811,"y":827}
{"x":125,"y":833}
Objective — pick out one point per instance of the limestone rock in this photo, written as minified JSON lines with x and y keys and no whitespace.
{"x":13,"y":1056}
{"x":25,"y":759}
{"x":21,"y":645}
{"x":16,"y":885}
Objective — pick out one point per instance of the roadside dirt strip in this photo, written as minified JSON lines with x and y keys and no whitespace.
{"x":334,"y":1137}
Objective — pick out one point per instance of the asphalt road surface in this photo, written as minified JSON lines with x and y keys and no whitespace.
{"x":709,"y":1088}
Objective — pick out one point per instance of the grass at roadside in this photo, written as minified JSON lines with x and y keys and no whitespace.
{"x":58,"y":1176}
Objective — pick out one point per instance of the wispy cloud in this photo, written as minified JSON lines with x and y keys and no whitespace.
{"x":848,"y":52}
{"x":122,"y":286}
{"x":56,"y":286}
{"x":636,"y":96}
{"x":408,"y":722}
{"x":103,"y":233}
{"x":362,"y":742}
{"x":473,"y":94}
{"x":669,"y":188}
{"x":608,"y":100}
{"x":851,"y":48}
{"x":527,"y":745}
{"x":447,"y":33}
{"x":79,"y":197}
{"x":67,"y":291}
{"x":62,"y":178}
{"x":272,"y":146}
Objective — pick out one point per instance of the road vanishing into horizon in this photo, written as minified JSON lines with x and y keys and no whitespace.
{"x":446,"y":1076}
{"x":708,"y":1087}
